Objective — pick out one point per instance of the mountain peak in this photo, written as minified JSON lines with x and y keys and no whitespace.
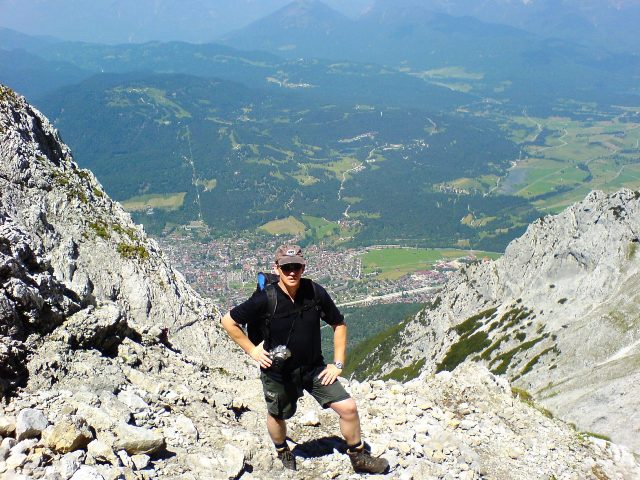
{"x":304,"y":14}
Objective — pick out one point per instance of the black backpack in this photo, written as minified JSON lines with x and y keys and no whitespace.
{"x":259,"y":331}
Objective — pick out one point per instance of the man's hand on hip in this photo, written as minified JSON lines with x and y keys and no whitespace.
{"x":329,"y":374}
{"x":260,"y":355}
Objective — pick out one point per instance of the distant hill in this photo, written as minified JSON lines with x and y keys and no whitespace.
{"x":611,"y":24}
{"x":297,"y":29}
{"x":492,"y":59}
{"x":34,"y":76}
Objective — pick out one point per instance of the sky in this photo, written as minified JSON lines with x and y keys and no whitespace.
{"x":122,"y":21}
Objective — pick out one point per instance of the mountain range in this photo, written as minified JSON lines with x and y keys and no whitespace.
{"x":609,"y":24}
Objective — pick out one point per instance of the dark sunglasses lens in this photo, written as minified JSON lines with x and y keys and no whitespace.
{"x":291,"y":267}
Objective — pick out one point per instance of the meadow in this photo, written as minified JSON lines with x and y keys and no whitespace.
{"x":393,"y":263}
{"x":562,"y":158}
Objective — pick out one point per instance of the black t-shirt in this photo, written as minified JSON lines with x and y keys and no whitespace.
{"x":298,"y":322}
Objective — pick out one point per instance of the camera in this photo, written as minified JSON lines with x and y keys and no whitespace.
{"x":279,"y":355}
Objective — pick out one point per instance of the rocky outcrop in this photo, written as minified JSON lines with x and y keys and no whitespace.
{"x":559,"y":314}
{"x":68,"y":254}
{"x":113,"y":368}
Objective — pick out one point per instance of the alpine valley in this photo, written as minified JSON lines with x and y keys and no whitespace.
{"x":513,"y":127}
{"x":113,"y":367}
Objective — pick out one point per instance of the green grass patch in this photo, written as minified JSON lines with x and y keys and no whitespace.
{"x":406,"y":373}
{"x":526,"y":397}
{"x":162,"y":201}
{"x":208,"y":185}
{"x":319,"y":228}
{"x":564,"y":159}
{"x":393,"y":263}
{"x":132,"y":252}
{"x":367,"y":327}
{"x":472,"y":323}
{"x":504,"y":360}
{"x":289,"y":226}
{"x":595,"y":435}
{"x":486,"y":355}
{"x":101,"y":229}
{"x":530,"y":364}
{"x":459,"y":351}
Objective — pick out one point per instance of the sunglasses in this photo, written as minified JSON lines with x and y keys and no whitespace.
{"x":291,"y":267}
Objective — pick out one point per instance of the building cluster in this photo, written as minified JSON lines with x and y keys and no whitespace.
{"x":225,"y":270}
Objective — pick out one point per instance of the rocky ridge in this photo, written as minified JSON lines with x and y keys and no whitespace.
{"x":559,"y":314}
{"x":112,"y":367}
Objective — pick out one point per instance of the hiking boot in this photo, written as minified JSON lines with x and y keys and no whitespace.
{"x":287,"y":458}
{"x":363,"y":462}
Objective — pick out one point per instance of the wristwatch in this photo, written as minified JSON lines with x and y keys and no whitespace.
{"x":339,"y":365}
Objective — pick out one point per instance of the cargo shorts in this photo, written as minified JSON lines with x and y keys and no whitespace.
{"x":282,"y":397}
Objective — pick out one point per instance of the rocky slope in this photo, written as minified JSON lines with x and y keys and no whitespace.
{"x":559,"y":314}
{"x":112,"y":367}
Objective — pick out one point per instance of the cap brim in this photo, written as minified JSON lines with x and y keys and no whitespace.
{"x":289,"y":260}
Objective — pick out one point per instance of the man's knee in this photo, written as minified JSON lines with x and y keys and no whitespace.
{"x":345,"y":408}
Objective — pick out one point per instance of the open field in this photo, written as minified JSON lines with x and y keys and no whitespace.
{"x":319,"y":228}
{"x":165,"y":201}
{"x":563,"y":159}
{"x":289,"y":225}
{"x":393,"y":263}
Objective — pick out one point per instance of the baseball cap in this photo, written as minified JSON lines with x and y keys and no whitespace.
{"x":289,"y":254}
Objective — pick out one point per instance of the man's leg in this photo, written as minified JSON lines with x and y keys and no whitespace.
{"x":349,"y":420}
{"x":277,"y":429}
{"x":281,"y":404}
{"x":361,"y":459}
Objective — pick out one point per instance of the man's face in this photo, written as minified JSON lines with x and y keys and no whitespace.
{"x":290,"y":274}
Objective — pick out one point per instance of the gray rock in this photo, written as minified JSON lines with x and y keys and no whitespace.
{"x":70,"y":463}
{"x":30,"y":423}
{"x":136,"y":440}
{"x":86,"y":472}
{"x":140,"y":461}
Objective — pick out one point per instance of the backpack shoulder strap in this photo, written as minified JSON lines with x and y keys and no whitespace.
{"x":272,"y":304}
{"x":272,"y":300}
{"x":316,"y":299}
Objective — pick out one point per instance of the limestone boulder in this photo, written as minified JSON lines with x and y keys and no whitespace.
{"x":68,"y":434}
{"x":30,"y":423}
{"x":136,"y":440}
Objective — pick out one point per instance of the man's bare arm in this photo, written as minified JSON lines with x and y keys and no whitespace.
{"x":331,"y":373}
{"x":257,"y":352}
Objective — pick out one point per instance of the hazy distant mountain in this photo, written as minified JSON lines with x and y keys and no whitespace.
{"x":490,"y":59}
{"x":123,"y":21}
{"x":119,"y":21}
{"x":606,"y":23}
{"x":34,"y":76}
{"x":302,"y":27}
{"x":386,"y":33}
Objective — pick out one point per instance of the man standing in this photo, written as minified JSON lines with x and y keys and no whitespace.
{"x":290,"y":356}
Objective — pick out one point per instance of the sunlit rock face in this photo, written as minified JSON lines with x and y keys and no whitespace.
{"x":559,"y":314}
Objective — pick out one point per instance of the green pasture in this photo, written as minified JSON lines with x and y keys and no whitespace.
{"x":543,"y":176}
{"x":289,"y":225}
{"x":162,"y":201}
{"x":208,"y":185}
{"x":127,"y":96}
{"x":609,"y":149}
{"x":319,"y":228}
{"x":482,"y":183}
{"x":393,"y":263}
